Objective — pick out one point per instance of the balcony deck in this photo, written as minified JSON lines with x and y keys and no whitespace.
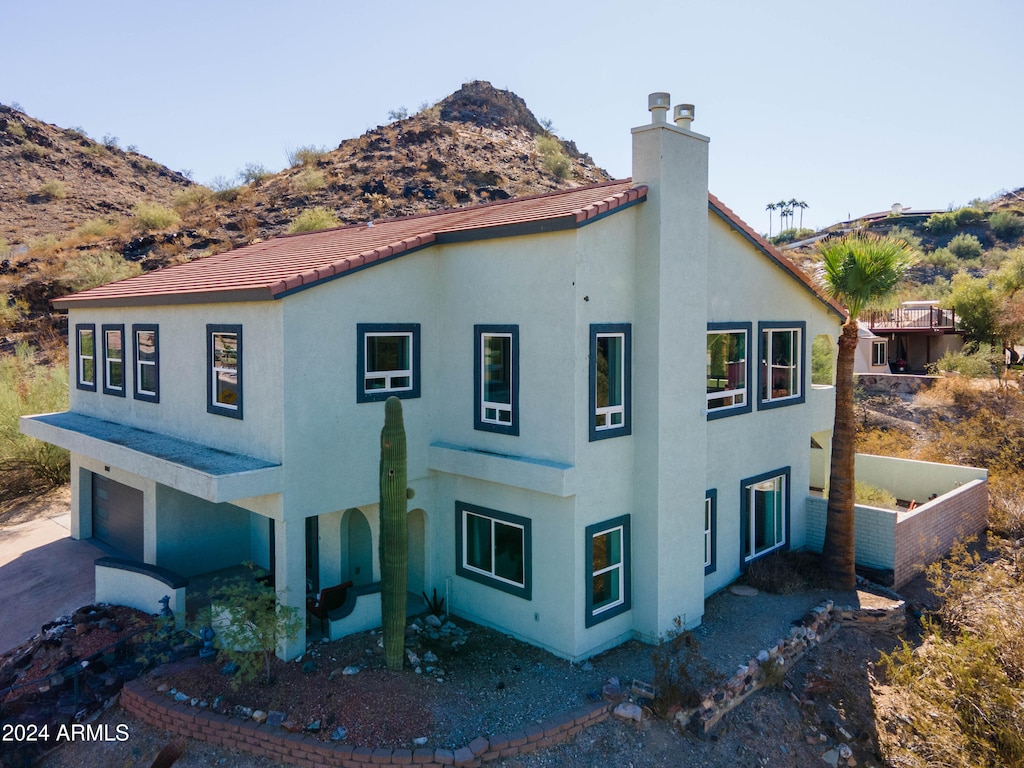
{"x":914,"y":319}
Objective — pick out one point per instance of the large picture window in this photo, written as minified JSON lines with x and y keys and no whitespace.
{"x":147,"y":363}
{"x":607,"y":564}
{"x":85,"y":353}
{"x":765,"y":514}
{"x":389,"y":361}
{"x":496,"y":390}
{"x":494,"y":548}
{"x":224,"y":370}
{"x":728,"y":369}
{"x":610,"y":380}
{"x":782,"y":362}
{"x":113,"y":360}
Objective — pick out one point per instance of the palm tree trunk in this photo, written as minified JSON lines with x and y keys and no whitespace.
{"x":838,"y":552}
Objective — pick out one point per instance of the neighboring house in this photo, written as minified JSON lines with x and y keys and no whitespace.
{"x":908,"y":338}
{"x":872,"y":351}
{"x":607,"y":400}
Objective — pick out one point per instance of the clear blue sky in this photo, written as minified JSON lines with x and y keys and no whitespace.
{"x":850,"y":107}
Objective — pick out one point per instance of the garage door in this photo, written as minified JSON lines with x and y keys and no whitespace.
{"x":117,"y":516}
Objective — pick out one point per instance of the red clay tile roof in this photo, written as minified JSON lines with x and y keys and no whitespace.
{"x":273,"y":268}
{"x":771,"y":252}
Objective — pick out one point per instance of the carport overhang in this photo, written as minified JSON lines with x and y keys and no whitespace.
{"x":200,"y":470}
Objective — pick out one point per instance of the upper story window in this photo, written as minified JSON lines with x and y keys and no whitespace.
{"x":782,"y":361}
{"x":113,"y":360}
{"x":878,"y":353}
{"x":147,"y":363}
{"x":494,"y":548}
{"x":496,"y":390}
{"x":224,"y":370}
{"x":388,"y":361}
{"x":764,"y":520}
{"x":610,"y":380}
{"x":607,"y":569}
{"x":728,"y":369}
{"x":85,"y":354}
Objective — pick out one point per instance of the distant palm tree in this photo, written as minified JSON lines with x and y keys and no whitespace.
{"x":781,"y":206}
{"x":856,"y":269}
{"x":771,"y":209}
{"x":802,"y":206}
{"x":792,"y":205}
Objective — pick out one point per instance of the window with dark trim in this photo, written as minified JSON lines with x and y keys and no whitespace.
{"x":607,"y":559}
{"x":85,"y":355}
{"x":710,"y":530}
{"x":610,"y":380}
{"x":764,"y":515}
{"x":224,"y":370}
{"x":781,"y":351}
{"x":388,"y":361}
{"x":113,"y":360}
{"x":494,"y":548}
{"x":878,"y":353}
{"x":496,"y":372}
{"x":146,"y":354}
{"x":728,"y":369}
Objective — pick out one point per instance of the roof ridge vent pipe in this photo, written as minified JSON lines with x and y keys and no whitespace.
{"x":683,"y":115}
{"x":658,"y":103}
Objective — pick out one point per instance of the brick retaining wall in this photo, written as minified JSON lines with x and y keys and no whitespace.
{"x":305,"y":751}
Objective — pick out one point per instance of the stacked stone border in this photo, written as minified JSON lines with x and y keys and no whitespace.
{"x":819,"y":625}
{"x":305,"y":751}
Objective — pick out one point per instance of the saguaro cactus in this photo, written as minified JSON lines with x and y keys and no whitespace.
{"x":394,"y":533}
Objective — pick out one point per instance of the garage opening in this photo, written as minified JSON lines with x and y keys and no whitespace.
{"x":117,"y":516}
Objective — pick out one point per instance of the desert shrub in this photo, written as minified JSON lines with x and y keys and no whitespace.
{"x":110,"y":141}
{"x":879,"y":441}
{"x":941,"y":223}
{"x":147,"y":217}
{"x":1007,"y":225}
{"x":552,"y":157}
{"x":28,"y":465}
{"x":94,"y":148}
{"x":397,"y":114}
{"x":98,"y":227}
{"x":253,"y":173}
{"x":906,"y":235}
{"x":310,"y":180}
{"x":313,"y":219}
{"x":87,"y":270}
{"x":871,"y":496}
{"x":250,"y":620}
{"x":1006,"y":505}
{"x":11,"y":311}
{"x":44,"y":246}
{"x":965,"y":246}
{"x":681,"y":673}
{"x":782,"y":573}
{"x":5,"y":249}
{"x":941,"y":258}
{"x":974,"y":362}
{"x":307,"y":155}
{"x":192,"y":198}
{"x":17,"y":130}
{"x":53,"y":190}
{"x":823,"y":352}
{"x":968,"y":215}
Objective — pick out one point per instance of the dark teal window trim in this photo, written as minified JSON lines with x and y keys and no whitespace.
{"x":745,"y":514}
{"x":764,"y":405}
{"x":149,"y":397}
{"x":364,"y":395}
{"x":88,"y":386}
{"x":212,"y":406}
{"x":596,"y":615}
{"x":524,"y":590}
{"x":626,"y":428}
{"x":108,"y":388}
{"x":479,"y":422}
{"x":747,"y":407}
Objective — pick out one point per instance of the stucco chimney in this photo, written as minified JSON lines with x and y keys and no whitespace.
{"x":683,"y":115}
{"x":658,"y":104}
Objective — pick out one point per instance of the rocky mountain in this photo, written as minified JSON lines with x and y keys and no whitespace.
{"x":76,"y":213}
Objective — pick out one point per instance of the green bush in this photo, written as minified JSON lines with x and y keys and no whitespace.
{"x":310,"y":180}
{"x":17,"y":130}
{"x":93,"y":268}
{"x":313,"y":219}
{"x":11,"y":311}
{"x":1007,"y":225}
{"x":225,"y":190}
{"x":965,"y":246}
{"x":823,"y":352}
{"x":791,"y":235}
{"x":907,"y":236}
{"x":147,"y":217}
{"x":941,"y":258}
{"x":968,"y":215}
{"x":941,"y":224}
{"x":53,"y":190}
{"x":195,"y":197}
{"x":28,"y":465}
{"x":979,"y":363}
{"x":98,"y":227}
{"x":253,"y":173}
{"x":552,"y":157}
{"x":307,"y":155}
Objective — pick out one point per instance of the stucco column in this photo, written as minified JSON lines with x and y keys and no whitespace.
{"x":290,"y":578}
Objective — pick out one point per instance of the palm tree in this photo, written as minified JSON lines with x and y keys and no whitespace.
{"x":781,"y":206}
{"x":771,"y":209}
{"x":802,"y":206}
{"x":856,"y":270}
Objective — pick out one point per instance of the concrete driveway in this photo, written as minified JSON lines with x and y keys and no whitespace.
{"x":43,"y":574}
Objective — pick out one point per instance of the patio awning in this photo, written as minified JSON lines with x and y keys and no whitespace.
{"x":209,"y":473}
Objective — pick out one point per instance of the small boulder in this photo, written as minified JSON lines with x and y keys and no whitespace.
{"x":627,"y":710}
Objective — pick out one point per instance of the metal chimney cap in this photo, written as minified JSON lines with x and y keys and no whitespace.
{"x":658,"y":103}
{"x":683,"y":114}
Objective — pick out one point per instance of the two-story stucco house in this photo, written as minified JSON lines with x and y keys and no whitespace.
{"x":606,"y":391}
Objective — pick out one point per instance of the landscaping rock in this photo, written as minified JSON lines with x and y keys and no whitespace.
{"x":339,"y":733}
{"x":627,"y":710}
